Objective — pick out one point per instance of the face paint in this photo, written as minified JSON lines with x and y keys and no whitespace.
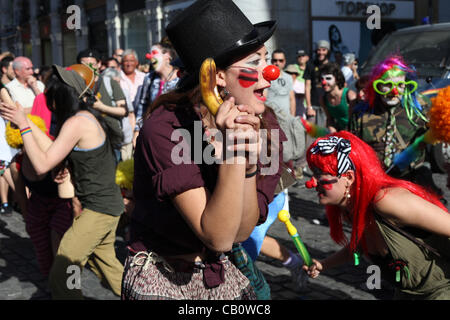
{"x":393,"y":98}
{"x":328,"y":79}
{"x":248,"y":77}
{"x":327,"y":184}
{"x":156,"y":58}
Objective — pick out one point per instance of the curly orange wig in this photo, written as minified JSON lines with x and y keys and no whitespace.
{"x":439,"y":115}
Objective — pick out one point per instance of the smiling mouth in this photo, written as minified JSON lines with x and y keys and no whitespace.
{"x":259,"y":94}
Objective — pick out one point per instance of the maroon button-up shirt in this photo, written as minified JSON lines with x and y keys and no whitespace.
{"x":156,"y":224}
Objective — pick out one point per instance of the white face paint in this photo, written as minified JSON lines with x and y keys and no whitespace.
{"x":157,"y":58}
{"x":328,"y":82}
{"x":393,"y":98}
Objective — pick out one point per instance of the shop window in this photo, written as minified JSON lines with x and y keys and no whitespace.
{"x":69,"y":48}
{"x":46,"y":46}
{"x":98,"y":37}
{"x":131,"y":6}
{"x":135,"y":34}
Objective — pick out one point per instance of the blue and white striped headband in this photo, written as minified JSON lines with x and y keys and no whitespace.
{"x":339,"y":145}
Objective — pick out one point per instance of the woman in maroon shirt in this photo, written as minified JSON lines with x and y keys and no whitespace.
{"x":189,"y":213}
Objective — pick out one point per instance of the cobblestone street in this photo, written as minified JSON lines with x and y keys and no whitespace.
{"x":21,"y":280}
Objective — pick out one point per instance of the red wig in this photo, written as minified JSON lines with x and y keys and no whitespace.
{"x":370,"y":178}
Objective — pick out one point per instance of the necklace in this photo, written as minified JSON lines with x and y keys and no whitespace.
{"x":164,"y":87}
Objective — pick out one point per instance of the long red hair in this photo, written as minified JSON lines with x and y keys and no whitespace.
{"x":370,"y":178}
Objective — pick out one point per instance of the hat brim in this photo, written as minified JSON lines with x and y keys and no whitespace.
{"x":261,"y":33}
{"x":71,"y":78}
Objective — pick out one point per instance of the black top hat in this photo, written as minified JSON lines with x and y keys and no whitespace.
{"x":215,"y":29}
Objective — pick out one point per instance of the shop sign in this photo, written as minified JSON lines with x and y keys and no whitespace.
{"x":358,"y":9}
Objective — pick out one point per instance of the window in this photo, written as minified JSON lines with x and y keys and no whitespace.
{"x":135,"y":33}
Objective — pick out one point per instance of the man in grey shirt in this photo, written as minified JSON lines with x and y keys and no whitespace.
{"x":281,"y":90}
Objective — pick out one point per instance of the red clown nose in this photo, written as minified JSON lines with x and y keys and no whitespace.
{"x":271,"y":73}
{"x":150,"y":56}
{"x":395,"y":91}
{"x":311,"y":183}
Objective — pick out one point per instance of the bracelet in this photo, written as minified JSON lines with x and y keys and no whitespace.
{"x":24,"y":131}
{"x":254,"y":173}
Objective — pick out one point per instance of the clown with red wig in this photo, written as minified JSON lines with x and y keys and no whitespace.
{"x":396,"y":225}
{"x":392,"y":118}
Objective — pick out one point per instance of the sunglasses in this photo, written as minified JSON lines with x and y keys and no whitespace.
{"x":277,"y":60}
{"x":385,"y":87}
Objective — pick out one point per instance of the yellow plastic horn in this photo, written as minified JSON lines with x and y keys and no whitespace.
{"x":284,"y":217}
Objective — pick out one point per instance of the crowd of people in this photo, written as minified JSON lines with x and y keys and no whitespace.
{"x":194,"y":229}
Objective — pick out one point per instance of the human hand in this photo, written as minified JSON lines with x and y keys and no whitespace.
{"x":59,"y":176}
{"x":15,"y":114}
{"x":76,"y":207}
{"x":310,"y":112}
{"x":31,"y":81}
{"x":314,"y":270}
{"x":135,"y":136}
{"x":226,"y":115}
{"x":246,"y":143}
{"x":247,"y":119}
{"x":98,"y":104}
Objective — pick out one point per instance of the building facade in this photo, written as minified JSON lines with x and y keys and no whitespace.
{"x":40,"y":29}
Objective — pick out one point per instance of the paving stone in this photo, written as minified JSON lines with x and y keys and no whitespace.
{"x":20,"y":277}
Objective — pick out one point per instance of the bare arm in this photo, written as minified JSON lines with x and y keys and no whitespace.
{"x":216,"y":218}
{"x":118,"y":111}
{"x":6,"y":98}
{"x":322,"y":105}
{"x":230,"y":213}
{"x":292,"y":102}
{"x":32,"y":82}
{"x":405,"y":208}
{"x":43,"y":141}
{"x":308,"y":93}
{"x":351,"y":98}
{"x":250,"y":214}
{"x":44,"y":161}
{"x":67,"y":139}
{"x":309,"y":110}
{"x":132,"y":119}
{"x":337,"y":259}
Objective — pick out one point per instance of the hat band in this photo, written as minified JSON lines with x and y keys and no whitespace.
{"x":252,"y":35}
{"x":87,"y":88}
{"x":248,"y":38}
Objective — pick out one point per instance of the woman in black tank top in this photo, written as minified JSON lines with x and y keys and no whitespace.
{"x":83,"y":138}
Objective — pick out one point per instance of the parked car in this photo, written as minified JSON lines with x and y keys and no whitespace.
{"x":427,"y":48}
